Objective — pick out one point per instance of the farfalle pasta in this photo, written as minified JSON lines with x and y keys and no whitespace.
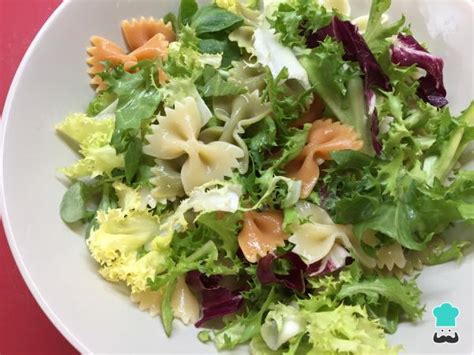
{"x":238,"y":114}
{"x":184,"y":304}
{"x":137,"y":32}
{"x":261,"y":234}
{"x":315,"y":239}
{"x":325,"y":137}
{"x":176,"y":134}
{"x":249,"y":75}
{"x":146,"y":39}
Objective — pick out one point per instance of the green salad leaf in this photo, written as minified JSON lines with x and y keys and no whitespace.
{"x":211,"y":19}
{"x":338,"y":83}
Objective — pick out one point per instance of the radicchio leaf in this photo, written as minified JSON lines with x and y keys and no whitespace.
{"x":336,"y":259}
{"x":216,"y":301}
{"x":294,"y":279}
{"x":356,"y":49}
{"x":406,"y":51}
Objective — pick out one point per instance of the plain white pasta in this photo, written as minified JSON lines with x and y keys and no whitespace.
{"x":315,"y":239}
{"x":184,"y":304}
{"x":148,"y":301}
{"x":238,"y":114}
{"x":390,"y":256}
{"x":176,"y":134}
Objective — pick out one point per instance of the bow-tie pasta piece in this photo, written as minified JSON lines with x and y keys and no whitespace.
{"x":183,"y":303}
{"x":324,"y":138}
{"x":315,"y":239}
{"x":147,"y":38}
{"x":176,"y":134}
{"x":238,"y":114}
{"x":103,"y":50}
{"x":207,"y":162}
{"x":137,"y":32}
{"x":250,"y":76}
{"x":261,"y":234}
{"x":155,"y":47}
{"x":244,"y":34}
{"x":171,"y":136}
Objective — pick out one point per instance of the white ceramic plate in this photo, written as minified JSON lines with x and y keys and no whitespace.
{"x":51,"y":82}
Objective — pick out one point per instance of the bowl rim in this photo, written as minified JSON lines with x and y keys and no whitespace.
{"x":37,"y":295}
{"x":45,"y":307}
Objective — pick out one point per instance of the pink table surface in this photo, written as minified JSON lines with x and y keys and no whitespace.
{"x":24,"y":328}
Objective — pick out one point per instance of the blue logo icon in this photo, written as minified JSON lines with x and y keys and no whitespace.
{"x":445,"y":315}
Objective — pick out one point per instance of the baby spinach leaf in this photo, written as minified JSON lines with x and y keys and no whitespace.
{"x":210,"y":19}
{"x":221,"y":44}
{"x":73,"y":204}
{"x":187,"y":9}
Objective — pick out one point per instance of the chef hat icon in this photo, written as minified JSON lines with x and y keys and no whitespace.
{"x":445,"y":315}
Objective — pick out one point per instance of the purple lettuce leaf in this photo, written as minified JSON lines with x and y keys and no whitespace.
{"x":294,"y":279}
{"x":406,"y":51}
{"x":356,"y":49}
{"x":216,"y":300}
{"x":335,"y":260}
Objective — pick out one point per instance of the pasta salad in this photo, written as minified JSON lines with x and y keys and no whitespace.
{"x":273,"y":173}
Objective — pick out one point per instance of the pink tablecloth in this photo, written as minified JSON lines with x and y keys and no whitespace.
{"x":24,"y":328}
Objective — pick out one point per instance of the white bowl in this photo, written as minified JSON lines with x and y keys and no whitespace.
{"x":51,"y":82}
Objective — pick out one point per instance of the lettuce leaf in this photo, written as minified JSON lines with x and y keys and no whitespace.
{"x":138,"y":100}
{"x":93,"y":136}
{"x":328,"y":328}
{"x":339,"y":84}
{"x":377,"y":33}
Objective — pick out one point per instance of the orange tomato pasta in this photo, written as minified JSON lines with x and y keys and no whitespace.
{"x":324,"y":137}
{"x":262,"y":233}
{"x":137,"y":32}
{"x":147,"y":38}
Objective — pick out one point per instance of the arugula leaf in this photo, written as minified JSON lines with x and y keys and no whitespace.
{"x":211,"y":19}
{"x":73,"y":204}
{"x":132,"y":158}
{"x":187,"y":9}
